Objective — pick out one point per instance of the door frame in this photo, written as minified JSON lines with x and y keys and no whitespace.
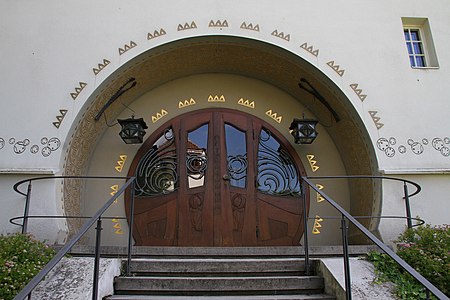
{"x":160,"y":130}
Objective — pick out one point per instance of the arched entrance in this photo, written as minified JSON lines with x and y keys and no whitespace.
{"x":217,"y":177}
{"x":234,"y":56}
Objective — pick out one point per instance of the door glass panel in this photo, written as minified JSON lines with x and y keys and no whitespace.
{"x":156,"y":173}
{"x":196,"y":156}
{"x":277,"y":174}
{"x":236,"y":156}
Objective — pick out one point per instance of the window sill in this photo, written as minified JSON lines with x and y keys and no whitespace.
{"x":425,"y":68}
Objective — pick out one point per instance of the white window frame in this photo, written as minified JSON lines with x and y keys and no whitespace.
{"x":423,"y":46}
{"x":429,"y":53}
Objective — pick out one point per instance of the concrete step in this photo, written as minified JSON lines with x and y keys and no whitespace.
{"x":219,"y":285}
{"x":222,"y":266}
{"x":298,"y":251}
{"x":234,"y":297}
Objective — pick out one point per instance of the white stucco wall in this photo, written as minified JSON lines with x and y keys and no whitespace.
{"x":48,"y":48}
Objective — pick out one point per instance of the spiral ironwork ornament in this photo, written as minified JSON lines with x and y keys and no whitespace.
{"x":156,"y":173}
{"x":237,"y":167}
{"x":196,"y":164}
{"x":277,"y":174}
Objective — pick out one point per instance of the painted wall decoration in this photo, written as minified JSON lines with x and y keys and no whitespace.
{"x":101,"y":66}
{"x":310,"y":49}
{"x":358,"y":91}
{"x":250,"y":26}
{"x":127,"y":47}
{"x":317,"y":225}
{"x":159,"y":115}
{"x":121,"y":162}
{"x":60,"y":118}
{"x":215,"y":25}
{"x":218,"y":23}
{"x":336,"y":68}
{"x":390,"y":147}
{"x":187,"y":26}
{"x":312,"y":162}
{"x":319,"y":197}
{"x":216,"y":98}
{"x":186,"y":103}
{"x":246,"y":103}
{"x":47,"y":145}
{"x":376,"y":119}
{"x":281,"y":35}
{"x":156,"y":34}
{"x":78,"y":89}
{"x":273,"y":115}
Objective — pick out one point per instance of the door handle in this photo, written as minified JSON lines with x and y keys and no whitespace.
{"x":226,"y":177}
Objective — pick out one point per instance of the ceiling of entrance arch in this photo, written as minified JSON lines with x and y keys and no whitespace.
{"x":232,"y":55}
{"x":228,"y":55}
{"x":246,"y":57}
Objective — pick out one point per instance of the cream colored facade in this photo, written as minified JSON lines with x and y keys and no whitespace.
{"x":61,"y":62}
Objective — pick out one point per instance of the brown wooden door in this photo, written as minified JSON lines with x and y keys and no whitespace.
{"x":217,"y":178}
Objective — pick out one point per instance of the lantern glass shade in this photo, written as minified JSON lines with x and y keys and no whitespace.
{"x":133,"y":130}
{"x":304,"y":130}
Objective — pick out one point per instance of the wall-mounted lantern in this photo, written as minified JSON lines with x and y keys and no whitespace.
{"x":133,"y":130}
{"x":303,"y":130}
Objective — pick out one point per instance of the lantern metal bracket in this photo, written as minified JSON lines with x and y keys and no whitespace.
{"x":131,"y":83}
{"x":316,"y":94}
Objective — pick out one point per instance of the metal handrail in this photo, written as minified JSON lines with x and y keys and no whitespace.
{"x":405,"y":189}
{"x":347,"y":216}
{"x":419,"y":221}
{"x":66,"y":248}
{"x":28,"y":193}
{"x":19,"y":183}
{"x":59,"y":217}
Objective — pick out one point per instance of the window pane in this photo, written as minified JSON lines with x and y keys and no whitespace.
{"x":418,"y":48}
{"x":420,"y":61}
{"x":277,"y":174}
{"x":410,"y":49}
{"x":407,"y":37}
{"x":415,"y":35}
{"x":196,"y":159}
{"x":412,"y":61}
{"x":236,"y":156}
{"x":156,"y":173}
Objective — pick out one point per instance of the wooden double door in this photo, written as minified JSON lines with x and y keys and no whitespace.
{"x":217,"y":177}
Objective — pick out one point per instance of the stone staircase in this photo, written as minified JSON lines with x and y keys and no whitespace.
{"x":220,"y":273}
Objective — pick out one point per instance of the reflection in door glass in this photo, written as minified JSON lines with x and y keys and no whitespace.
{"x":277,"y":174}
{"x":196,"y":160}
{"x":156,"y":173}
{"x":236,"y":156}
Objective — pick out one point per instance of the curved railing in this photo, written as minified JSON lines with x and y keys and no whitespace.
{"x":406,"y":194}
{"x":96,"y":218}
{"x":345,"y":217}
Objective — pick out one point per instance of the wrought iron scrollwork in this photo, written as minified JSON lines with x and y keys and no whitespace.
{"x":277,"y":174}
{"x":196,"y":164}
{"x":237,"y":167}
{"x":156,"y":173}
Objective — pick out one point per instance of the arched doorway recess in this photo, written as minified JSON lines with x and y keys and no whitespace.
{"x":217,"y":177}
{"x":230,"y":55}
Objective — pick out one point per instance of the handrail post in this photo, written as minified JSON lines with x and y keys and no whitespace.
{"x":97,"y":258}
{"x":130,"y":230}
{"x":348,"y":285}
{"x":408,"y":208}
{"x":26,"y":212}
{"x":305,"y":231}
